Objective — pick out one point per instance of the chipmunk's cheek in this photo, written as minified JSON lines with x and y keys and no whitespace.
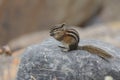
{"x":55,"y":36}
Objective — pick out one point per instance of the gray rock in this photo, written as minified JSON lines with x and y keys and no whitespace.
{"x":46,"y":62}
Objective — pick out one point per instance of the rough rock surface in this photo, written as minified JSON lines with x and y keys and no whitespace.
{"x":46,"y":62}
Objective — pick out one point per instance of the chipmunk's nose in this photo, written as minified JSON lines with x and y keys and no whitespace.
{"x":51,"y":34}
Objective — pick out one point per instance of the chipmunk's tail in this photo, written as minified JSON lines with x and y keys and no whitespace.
{"x":95,"y":50}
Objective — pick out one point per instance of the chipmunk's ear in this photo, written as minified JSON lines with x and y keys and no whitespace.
{"x":63,"y":24}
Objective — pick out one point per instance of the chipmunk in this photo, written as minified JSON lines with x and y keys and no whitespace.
{"x":70,"y":39}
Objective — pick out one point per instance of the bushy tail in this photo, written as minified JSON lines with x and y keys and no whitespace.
{"x":95,"y":50}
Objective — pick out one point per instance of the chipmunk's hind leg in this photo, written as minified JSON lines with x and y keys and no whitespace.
{"x":73,"y":47}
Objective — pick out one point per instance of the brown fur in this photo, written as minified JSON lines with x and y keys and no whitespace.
{"x":68,"y":38}
{"x":95,"y":50}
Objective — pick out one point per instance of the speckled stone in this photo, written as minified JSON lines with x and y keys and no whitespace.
{"x":45,"y":61}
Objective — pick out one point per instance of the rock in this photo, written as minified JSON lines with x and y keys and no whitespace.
{"x":45,"y":61}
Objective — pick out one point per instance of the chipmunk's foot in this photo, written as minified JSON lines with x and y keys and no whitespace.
{"x":64,"y":49}
{"x":61,"y":47}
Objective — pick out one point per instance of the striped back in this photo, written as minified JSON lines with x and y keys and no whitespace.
{"x":73,"y":33}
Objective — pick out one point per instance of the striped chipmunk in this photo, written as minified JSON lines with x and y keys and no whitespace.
{"x":70,"y":38}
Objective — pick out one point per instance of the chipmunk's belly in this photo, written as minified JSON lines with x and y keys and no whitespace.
{"x":68,"y":40}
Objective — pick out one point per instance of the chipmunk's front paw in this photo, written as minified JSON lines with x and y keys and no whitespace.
{"x":65,"y":50}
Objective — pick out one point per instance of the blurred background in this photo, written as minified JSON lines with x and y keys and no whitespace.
{"x":27,"y":22}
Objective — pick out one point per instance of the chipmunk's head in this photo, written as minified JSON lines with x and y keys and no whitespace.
{"x":57,"y":31}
